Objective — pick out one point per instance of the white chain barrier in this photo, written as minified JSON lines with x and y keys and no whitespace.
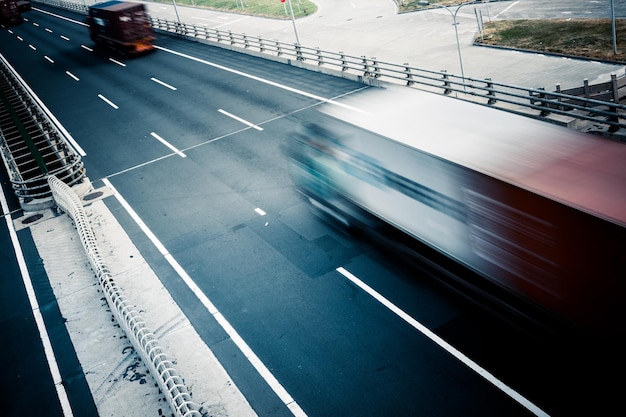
{"x":143,"y":340}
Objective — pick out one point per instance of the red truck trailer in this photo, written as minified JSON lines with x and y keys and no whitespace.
{"x":9,"y":13}
{"x":121,"y":26}
{"x":24,"y":5}
{"x":536,"y":209}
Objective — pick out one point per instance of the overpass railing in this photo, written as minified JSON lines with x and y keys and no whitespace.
{"x":556,"y":107}
{"x":143,"y":340}
{"x":31,"y":145}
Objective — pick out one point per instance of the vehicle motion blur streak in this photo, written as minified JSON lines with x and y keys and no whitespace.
{"x":443,"y":344}
{"x":536,"y":209}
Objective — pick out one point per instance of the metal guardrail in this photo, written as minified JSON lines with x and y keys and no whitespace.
{"x":536,"y":103}
{"x":144,"y":341}
{"x":65,"y":4}
{"x":606,"y":116}
{"x":31,"y":145}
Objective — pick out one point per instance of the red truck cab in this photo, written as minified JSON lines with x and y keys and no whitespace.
{"x":9,"y":13}
{"x":121,"y":26}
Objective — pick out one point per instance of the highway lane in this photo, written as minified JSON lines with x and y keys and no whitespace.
{"x":27,"y":304}
{"x":271,"y":272}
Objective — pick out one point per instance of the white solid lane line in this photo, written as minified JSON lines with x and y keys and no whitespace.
{"x":443,"y":344}
{"x":156,"y":80}
{"x":260,"y":79}
{"x":34,"y":304}
{"x":232,"y":333}
{"x":109,"y":102}
{"x":239,"y":119}
{"x":85,"y":47}
{"x":58,"y":16}
{"x":169,"y":145}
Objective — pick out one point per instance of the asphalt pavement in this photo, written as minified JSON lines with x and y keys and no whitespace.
{"x":373,"y":28}
{"x":424,"y":39}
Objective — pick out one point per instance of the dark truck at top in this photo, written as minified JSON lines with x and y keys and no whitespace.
{"x":123,"y":27}
{"x":9,"y":13}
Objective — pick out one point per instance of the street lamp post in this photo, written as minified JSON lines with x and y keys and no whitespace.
{"x":456,"y":32}
{"x":613,"y":28}
{"x":176,"y":10}
{"x":293,"y":20}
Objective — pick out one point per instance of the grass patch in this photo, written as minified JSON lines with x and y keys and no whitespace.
{"x":413,"y":5}
{"x":265,"y":8}
{"x":589,"y":38}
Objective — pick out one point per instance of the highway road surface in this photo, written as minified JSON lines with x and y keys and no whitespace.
{"x":189,"y":139}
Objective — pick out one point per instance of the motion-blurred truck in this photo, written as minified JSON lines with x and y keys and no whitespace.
{"x":120,"y":26}
{"x":24,"y":5}
{"x":535,"y":210}
{"x":9,"y":13}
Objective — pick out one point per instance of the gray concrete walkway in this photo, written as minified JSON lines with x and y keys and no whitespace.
{"x":424,"y":39}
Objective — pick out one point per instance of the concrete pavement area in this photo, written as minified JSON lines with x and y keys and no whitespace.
{"x":119,"y":381}
{"x":424,"y":39}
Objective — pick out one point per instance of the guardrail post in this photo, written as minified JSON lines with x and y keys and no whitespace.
{"x":299,"y":56}
{"x":545,"y":111}
{"x":491,"y":94}
{"x":261,"y":45}
{"x":541,"y":100}
{"x":278,"y":49}
{"x":614,"y":118}
{"x":320,"y":57}
{"x":246,"y":44}
{"x":587,"y":89}
{"x":614,"y":89}
{"x":409,"y":75}
{"x":344,"y":64}
{"x":376,"y":69}
{"x":559,"y":98}
{"x":366,"y":70}
{"x":446,"y":82}
{"x":231,"y":37}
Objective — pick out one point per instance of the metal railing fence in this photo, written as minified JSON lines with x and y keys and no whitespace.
{"x":143,"y":340}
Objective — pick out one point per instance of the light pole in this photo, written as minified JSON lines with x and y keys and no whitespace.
{"x":293,"y":20}
{"x":613,"y":28}
{"x":176,"y":10}
{"x":456,"y":32}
